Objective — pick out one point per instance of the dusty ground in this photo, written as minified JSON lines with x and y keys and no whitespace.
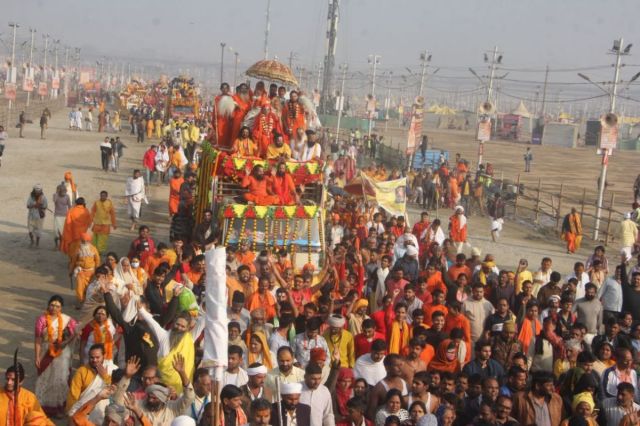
{"x":30,"y":276}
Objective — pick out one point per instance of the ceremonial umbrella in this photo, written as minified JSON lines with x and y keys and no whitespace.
{"x":359,"y":187}
{"x":273,"y":71}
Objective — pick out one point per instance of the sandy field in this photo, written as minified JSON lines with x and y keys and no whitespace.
{"x":30,"y":276}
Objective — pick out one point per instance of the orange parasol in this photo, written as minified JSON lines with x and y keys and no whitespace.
{"x":273,"y":71}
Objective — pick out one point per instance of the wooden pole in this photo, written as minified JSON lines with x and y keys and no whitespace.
{"x":215,"y":402}
{"x":538,"y":200}
{"x":584,"y":197}
{"x":515,"y":202}
{"x":559,"y":206}
{"x":606,"y":237}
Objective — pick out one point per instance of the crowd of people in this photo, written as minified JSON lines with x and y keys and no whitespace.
{"x":399,"y":325}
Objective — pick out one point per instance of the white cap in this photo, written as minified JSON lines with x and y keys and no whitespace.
{"x":183,"y":421}
{"x":291,"y":388}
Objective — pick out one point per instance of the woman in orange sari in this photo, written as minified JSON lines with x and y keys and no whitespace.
{"x":259,"y":351}
{"x":175,"y":183}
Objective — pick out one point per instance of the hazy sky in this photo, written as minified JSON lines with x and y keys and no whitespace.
{"x":457,"y":32}
{"x":530,"y":34}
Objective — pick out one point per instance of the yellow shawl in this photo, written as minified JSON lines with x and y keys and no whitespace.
{"x":165,"y":364}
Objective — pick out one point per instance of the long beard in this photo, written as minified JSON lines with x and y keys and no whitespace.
{"x":310,"y":144}
{"x":259,"y":177}
{"x":175,"y":337}
{"x":85,"y":250}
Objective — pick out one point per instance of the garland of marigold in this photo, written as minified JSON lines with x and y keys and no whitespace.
{"x":53,"y":352}
{"x":105,"y":338}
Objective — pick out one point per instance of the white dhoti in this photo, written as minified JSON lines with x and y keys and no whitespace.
{"x":35,"y":225}
{"x":496,"y":225}
{"x":58,"y":226}
{"x":135,"y":194}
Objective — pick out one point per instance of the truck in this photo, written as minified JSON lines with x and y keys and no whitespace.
{"x":182,"y":99}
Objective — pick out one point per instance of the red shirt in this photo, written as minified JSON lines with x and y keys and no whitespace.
{"x":381,"y":318}
{"x":362,"y":345}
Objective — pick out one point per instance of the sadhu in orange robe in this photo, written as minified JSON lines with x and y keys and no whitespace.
{"x":266,"y":125}
{"x":223,"y":122}
{"x":293,"y":118}
{"x":174,"y":194}
{"x":77,"y":222}
{"x":258,"y":193}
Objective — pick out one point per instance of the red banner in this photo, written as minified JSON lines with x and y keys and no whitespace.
{"x":415,"y":129}
{"x":10,"y":91}
{"x":55,"y":83}
{"x":43,"y":89}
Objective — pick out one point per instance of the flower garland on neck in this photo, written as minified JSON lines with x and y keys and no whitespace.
{"x":53,"y":352}
{"x":105,"y":338}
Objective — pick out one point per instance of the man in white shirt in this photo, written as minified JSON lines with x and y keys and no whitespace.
{"x":312,"y":149}
{"x":615,"y":408}
{"x":234,"y":375}
{"x":543,"y":275}
{"x":202,"y":388}
{"x":286,"y":371}
{"x":317,"y":396}
{"x":581,"y":276}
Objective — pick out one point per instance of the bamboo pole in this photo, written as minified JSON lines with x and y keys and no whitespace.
{"x":538,"y":200}
{"x":559,"y":206}
{"x":515,"y":202}
{"x":584,"y":197}
{"x":215,"y":402}
{"x":606,"y":237}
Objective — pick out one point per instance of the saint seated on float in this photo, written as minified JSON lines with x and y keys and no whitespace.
{"x":263,"y":190}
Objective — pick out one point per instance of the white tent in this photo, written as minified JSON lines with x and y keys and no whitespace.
{"x":522,"y":111}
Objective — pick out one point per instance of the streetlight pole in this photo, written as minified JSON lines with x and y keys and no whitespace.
{"x":222,"y":46}
{"x":235,"y":70}
{"x":30,"y":71}
{"x":340,"y":105}
{"x":605,"y":152}
{"x":13,"y":77}
{"x":374,"y":60}
{"x":267,"y":29}
{"x":492,"y":72}
{"x":424,"y":58}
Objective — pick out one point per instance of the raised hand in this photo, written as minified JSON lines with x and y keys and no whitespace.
{"x":133,"y":365}
{"x":178,"y":363}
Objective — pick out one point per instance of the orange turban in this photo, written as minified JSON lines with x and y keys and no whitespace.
{"x":85,"y":236}
{"x":68,"y":177}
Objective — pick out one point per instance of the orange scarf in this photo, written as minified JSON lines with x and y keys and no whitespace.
{"x":105,"y":338}
{"x":526,"y":333}
{"x":266,"y":355}
{"x":241,"y":417}
{"x":53,"y":352}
